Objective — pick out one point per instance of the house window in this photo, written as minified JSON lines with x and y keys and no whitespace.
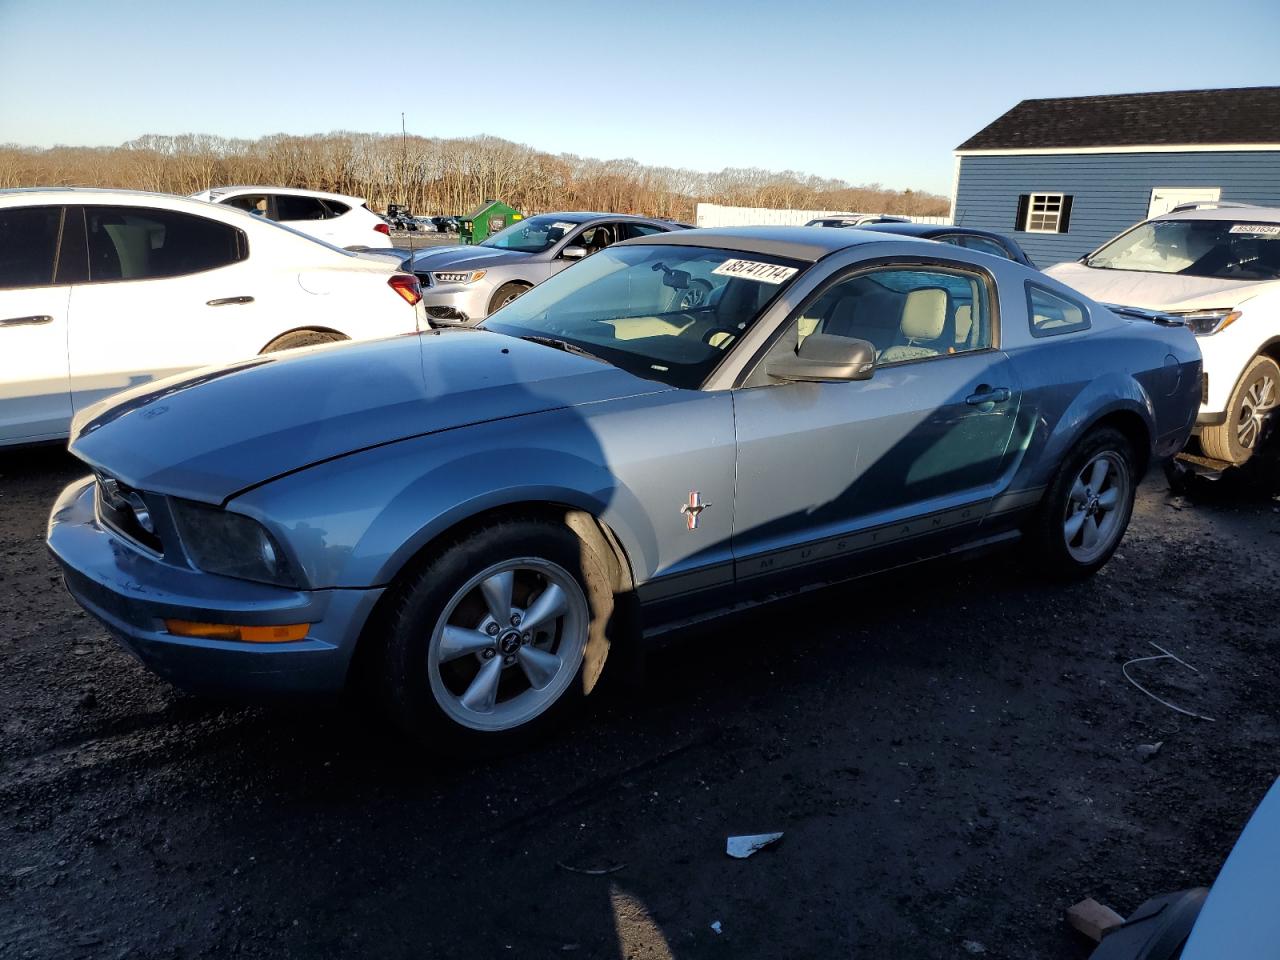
{"x":1043,"y":213}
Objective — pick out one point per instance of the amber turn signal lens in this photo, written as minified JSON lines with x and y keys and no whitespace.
{"x":282,"y":633}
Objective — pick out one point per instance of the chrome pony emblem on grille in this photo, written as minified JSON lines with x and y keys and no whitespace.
{"x":110,"y":488}
{"x":693,"y":509}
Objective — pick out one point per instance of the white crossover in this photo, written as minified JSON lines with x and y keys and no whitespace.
{"x":333,"y":217}
{"x":1217,"y":265}
{"x":104,"y":289}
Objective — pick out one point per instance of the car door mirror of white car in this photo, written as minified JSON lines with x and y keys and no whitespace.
{"x":823,"y":357}
{"x":573,"y":253}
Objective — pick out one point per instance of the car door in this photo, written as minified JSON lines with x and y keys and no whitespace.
{"x":35,"y":401}
{"x":167,"y":291}
{"x":834,"y":472}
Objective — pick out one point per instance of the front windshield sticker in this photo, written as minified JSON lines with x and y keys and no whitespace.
{"x":1260,"y":229}
{"x":755,"y":270}
{"x":566,"y":227}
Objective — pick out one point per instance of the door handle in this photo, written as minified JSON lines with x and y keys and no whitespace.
{"x":228,"y":301}
{"x":34,"y":321}
{"x":992,"y":395}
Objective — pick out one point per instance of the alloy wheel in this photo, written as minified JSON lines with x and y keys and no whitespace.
{"x":1259,"y":401}
{"x":1096,"y":507}
{"x":508,"y":644}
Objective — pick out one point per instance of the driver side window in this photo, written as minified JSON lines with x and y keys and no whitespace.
{"x":594,"y":239}
{"x":906,"y":313}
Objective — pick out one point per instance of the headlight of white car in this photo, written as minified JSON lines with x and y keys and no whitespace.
{"x":1204,"y":323}
{"x":231,"y":544}
{"x":463,"y":276}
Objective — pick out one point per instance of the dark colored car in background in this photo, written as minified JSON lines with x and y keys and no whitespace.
{"x":984,"y":241}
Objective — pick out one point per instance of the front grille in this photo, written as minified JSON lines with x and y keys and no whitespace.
{"x":1204,"y":387}
{"x":424,"y":280}
{"x":125,"y":511}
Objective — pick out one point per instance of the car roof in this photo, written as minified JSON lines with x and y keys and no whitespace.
{"x":288,"y":191}
{"x":796,"y":243}
{"x":64,"y":194}
{"x":582,"y":216}
{"x":915,"y":229}
{"x":1231,"y":211}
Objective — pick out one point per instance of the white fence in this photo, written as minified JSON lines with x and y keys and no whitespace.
{"x":715,"y":215}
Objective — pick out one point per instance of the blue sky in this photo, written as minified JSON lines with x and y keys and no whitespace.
{"x":868,"y":92}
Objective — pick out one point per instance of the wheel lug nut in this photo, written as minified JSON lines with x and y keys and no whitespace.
{"x":491,"y":629}
{"x":515,"y":619}
{"x":487,"y":654}
{"x":508,"y":661}
{"x":527,"y":638}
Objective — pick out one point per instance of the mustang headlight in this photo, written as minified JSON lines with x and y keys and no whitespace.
{"x":231,"y":544}
{"x":1204,"y":323}
{"x":459,"y":276}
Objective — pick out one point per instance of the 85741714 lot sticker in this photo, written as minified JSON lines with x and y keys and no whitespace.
{"x":755,"y":270}
{"x":1257,"y":229}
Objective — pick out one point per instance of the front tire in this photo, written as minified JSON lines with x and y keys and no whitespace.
{"x":1252,"y":401}
{"x":1087,"y":508}
{"x":301,"y":338}
{"x":505,"y":294}
{"x":497,"y":639}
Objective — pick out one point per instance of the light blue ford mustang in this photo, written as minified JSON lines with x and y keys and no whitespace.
{"x":472,"y":518}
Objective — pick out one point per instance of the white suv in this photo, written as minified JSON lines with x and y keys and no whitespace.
{"x":333,"y":217}
{"x":1218,"y":267}
{"x":104,"y":289}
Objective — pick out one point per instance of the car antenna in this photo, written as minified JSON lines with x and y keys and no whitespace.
{"x":404,"y":166}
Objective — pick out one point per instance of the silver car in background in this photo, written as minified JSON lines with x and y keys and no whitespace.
{"x":465,"y":283}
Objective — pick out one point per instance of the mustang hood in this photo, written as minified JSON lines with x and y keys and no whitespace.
{"x":1155,"y":291}
{"x":211,"y":433}
{"x":465,"y":257}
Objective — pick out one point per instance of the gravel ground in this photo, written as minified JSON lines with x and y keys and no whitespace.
{"x":952,"y":754}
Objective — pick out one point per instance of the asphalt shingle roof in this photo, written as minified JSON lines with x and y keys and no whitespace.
{"x":1181,"y":117}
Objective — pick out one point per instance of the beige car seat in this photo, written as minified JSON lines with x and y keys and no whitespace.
{"x":924,"y":318}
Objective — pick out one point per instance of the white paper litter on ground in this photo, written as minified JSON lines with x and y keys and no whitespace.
{"x":743,"y":847}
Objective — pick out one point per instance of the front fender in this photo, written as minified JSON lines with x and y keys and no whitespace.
{"x":355,"y":521}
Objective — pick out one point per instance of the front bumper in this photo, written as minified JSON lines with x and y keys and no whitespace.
{"x":132,"y":593}
{"x":455,"y":304}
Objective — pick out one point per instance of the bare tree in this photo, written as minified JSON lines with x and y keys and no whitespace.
{"x":440,"y":176}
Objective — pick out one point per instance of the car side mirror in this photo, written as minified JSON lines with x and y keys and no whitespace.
{"x":823,"y":358}
{"x":573,"y":253}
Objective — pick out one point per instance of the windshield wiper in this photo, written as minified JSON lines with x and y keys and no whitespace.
{"x":564,"y":345}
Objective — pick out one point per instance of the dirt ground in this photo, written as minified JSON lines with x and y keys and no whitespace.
{"x":951,"y":752}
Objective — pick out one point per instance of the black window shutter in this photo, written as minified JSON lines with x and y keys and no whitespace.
{"x":1064,"y":221}
{"x":1020,"y":221}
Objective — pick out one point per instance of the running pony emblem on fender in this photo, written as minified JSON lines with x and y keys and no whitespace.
{"x":692,"y":510}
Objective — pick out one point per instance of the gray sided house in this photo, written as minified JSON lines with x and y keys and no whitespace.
{"x":1064,"y":176}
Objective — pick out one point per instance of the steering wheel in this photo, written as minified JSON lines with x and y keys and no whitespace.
{"x":728,"y":333}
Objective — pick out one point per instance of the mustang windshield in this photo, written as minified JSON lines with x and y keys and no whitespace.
{"x":1220,"y":249}
{"x":532,"y":235}
{"x":668,"y":313}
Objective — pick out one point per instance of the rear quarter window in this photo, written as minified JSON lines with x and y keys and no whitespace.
{"x":1052,"y":314}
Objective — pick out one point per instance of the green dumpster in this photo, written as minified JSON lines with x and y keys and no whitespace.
{"x":492,"y":216}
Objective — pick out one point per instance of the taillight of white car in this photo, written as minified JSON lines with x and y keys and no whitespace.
{"x":407,"y":285}
{"x":1205,"y":323}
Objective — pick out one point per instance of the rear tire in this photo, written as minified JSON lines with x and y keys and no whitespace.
{"x":505,"y":294}
{"x":1087,"y":508}
{"x":497,"y":639}
{"x":301,"y":338}
{"x":1252,"y":401}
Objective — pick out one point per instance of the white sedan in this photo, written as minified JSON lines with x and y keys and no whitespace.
{"x":104,"y":289}
{"x":333,"y":217}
